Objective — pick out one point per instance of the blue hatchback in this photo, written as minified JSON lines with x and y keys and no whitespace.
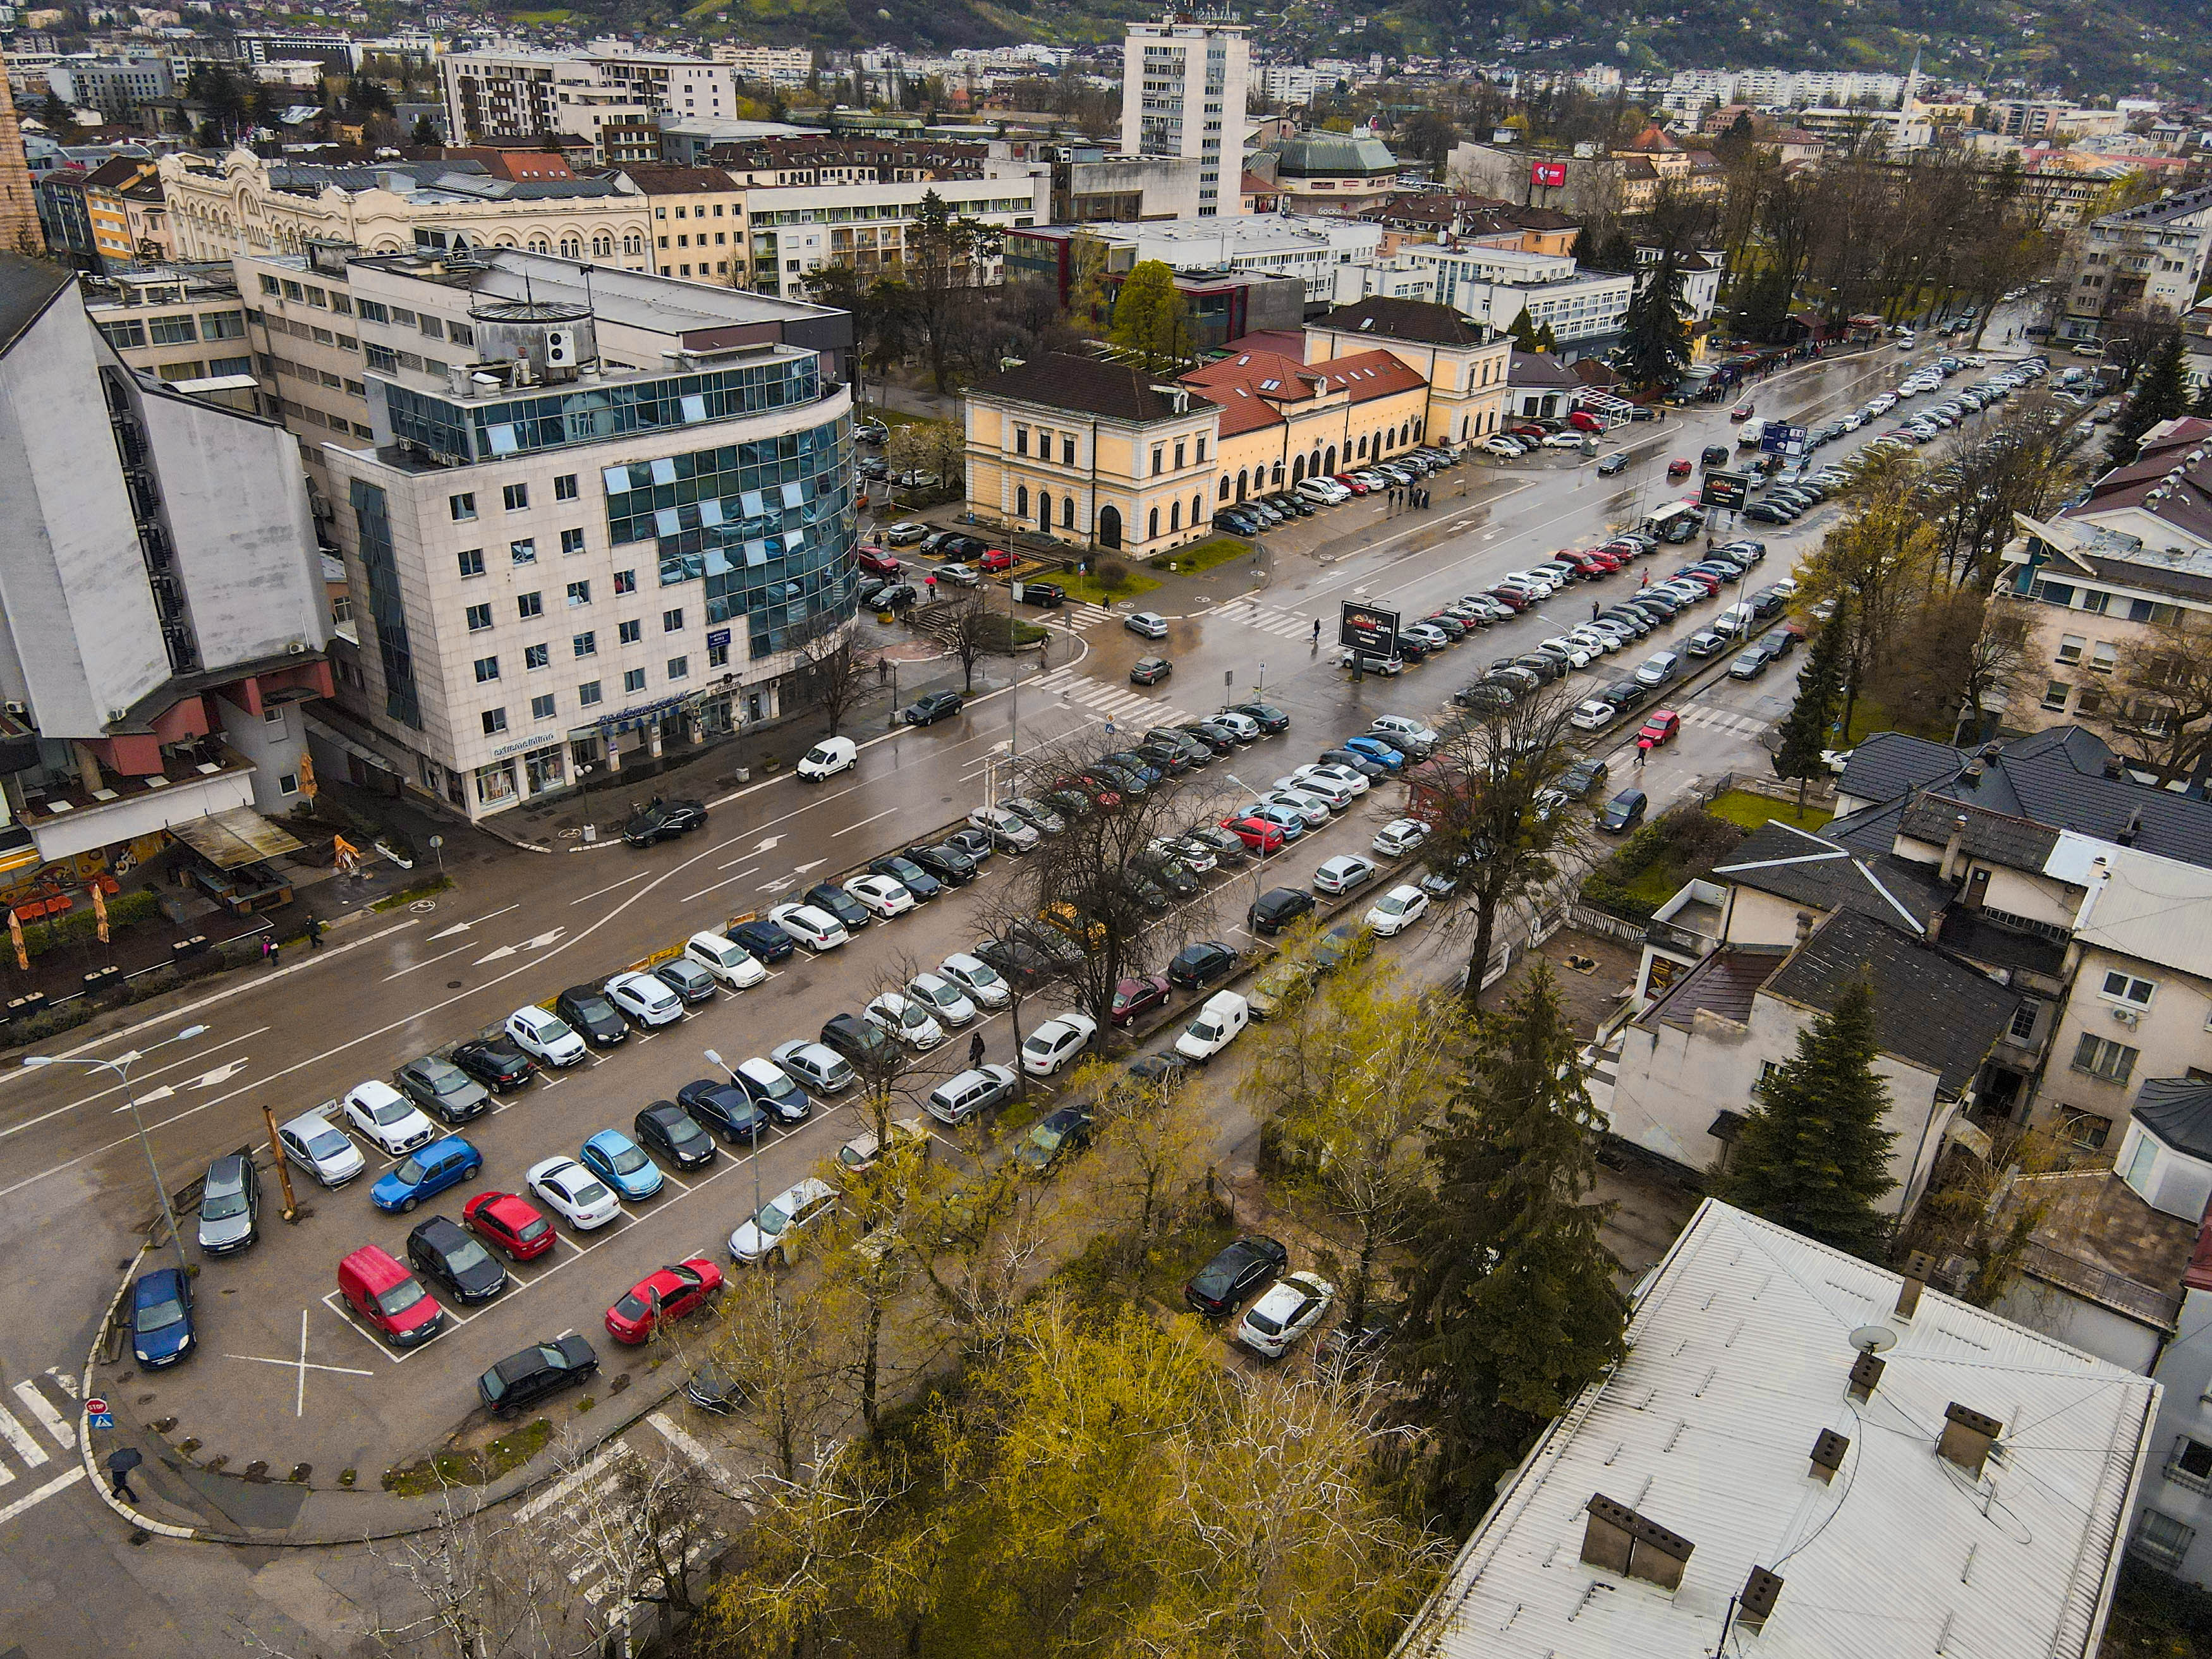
{"x":1381,"y":753}
{"x":161,"y":1317}
{"x":622,"y":1164}
{"x":425,"y":1174}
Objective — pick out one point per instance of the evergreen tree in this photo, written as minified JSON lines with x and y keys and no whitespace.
{"x":1819,"y":684}
{"x":1523,"y":332}
{"x":1546,"y":340}
{"x":1150,"y":316}
{"x":1813,"y":1155}
{"x":2201,"y":408}
{"x":426,"y":135}
{"x":1513,"y":1310}
{"x":2161,"y":393}
{"x":1654,"y":345}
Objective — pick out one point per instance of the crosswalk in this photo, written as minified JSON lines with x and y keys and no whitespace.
{"x":37,"y":1437}
{"x":1698,"y":713}
{"x":1123,"y":705}
{"x":1267,"y":619}
{"x":1080,"y":615}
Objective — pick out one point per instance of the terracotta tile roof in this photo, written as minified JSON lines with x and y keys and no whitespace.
{"x":1369,"y":374}
{"x":1723,"y":984}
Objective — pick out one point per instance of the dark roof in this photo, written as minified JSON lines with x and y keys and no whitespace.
{"x":1420,"y":321}
{"x":1992,"y":944}
{"x":1889,"y":764}
{"x":1931,"y":1008}
{"x":2099,"y":1239}
{"x":2178,"y":1111}
{"x":1724,"y":983}
{"x":27,"y":286}
{"x":1060,"y":380}
{"x":1993,"y":837}
{"x":1540,"y":370}
{"x":1827,"y":875}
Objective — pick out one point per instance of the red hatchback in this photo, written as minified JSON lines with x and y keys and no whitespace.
{"x":1257,"y":833}
{"x":1659,"y":726}
{"x":876,"y":561}
{"x":1132,"y":997}
{"x":1355,"y":485}
{"x":995,"y":559}
{"x":669,"y":1293}
{"x":511,"y":1223}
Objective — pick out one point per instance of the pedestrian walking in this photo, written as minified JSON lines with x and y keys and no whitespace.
{"x":315,"y":932}
{"x":275,"y":953}
{"x":930,"y":582}
{"x":975,"y":1051}
{"x":1642,"y":753}
{"x":1592,"y":609}
{"x":119,"y":1465}
{"x":266,"y":947}
{"x":1316,"y":639}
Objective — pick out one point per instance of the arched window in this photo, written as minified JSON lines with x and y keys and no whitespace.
{"x":1279,"y":475}
{"x":1067,"y":512}
{"x":1241,"y":484}
{"x":1417,"y":420}
{"x":1045,"y":510}
{"x":1406,"y":431}
{"x":1362,"y":449}
{"x":1110,"y":527}
{"x":1330,"y":466}
{"x":1197,"y":511}
{"x":1298,"y":469}
{"x":633,"y":244}
{"x":1313,"y":461}
{"x":1152,"y":528}
{"x":1224,"y":486}
{"x":1022,"y":501}
{"x":539,"y":244}
{"x":1175,"y":516}
{"x":571,"y":248}
{"x":1465,"y":427}
{"x":602,"y":245}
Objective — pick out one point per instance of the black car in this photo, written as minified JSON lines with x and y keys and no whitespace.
{"x":1018,"y":960}
{"x":1352,"y":760}
{"x":663,"y":819}
{"x":496,"y":1063}
{"x":691,"y":983}
{"x":1164,"y":1069}
{"x":1072,"y":805}
{"x":443,"y":1090}
{"x":1277,"y":908}
{"x":865,"y":1043}
{"x":447,"y":1252}
{"x":1218,"y":740}
{"x":909,"y":874}
{"x":673,"y":1132}
{"x":763,"y":939}
{"x":716,"y":1388}
{"x":524,"y":1379}
{"x":950,"y":868}
{"x":1776,"y":643}
{"x":931,"y":708}
{"x":721,"y":1107}
{"x":1407,"y":752}
{"x":1050,"y":595}
{"x":1240,"y":1269}
{"x":1269,"y":718}
{"x":1167,"y":754}
{"x":1164,"y":872}
{"x":1624,"y":695}
{"x":1064,"y":1130}
{"x":1196,"y":966}
{"x":1766,"y":603}
{"x":1584,"y":778}
{"x":829,"y":896}
{"x":1622,"y":812}
{"x":587,"y":1008}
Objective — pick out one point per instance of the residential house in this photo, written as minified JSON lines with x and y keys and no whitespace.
{"x":2150,"y":258}
{"x":2172,"y":1526}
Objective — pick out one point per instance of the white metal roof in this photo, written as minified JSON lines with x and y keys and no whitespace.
{"x":2138,"y":904}
{"x":1740,"y":1358}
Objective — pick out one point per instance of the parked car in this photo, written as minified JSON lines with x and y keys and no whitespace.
{"x":978,"y":979}
{"x":723,"y":1109}
{"x":575,"y":1195}
{"x":1624,"y":813}
{"x":1218,"y":1024}
{"x":543,"y":1369}
{"x":764,"y":939}
{"x":622,"y":1164}
{"x":425,"y":1174}
{"x":828,"y":756}
{"x":962,"y":1097}
{"x":230,"y":1204}
{"x":779,"y":1224}
{"x":1397,"y":910}
{"x":1059,"y":1134}
{"x":444,"y":1088}
{"x":674,"y":1134}
{"x":443,"y":1253}
{"x":1347,"y":872}
{"x":1290,"y":1308}
{"x":1277,"y":908}
{"x":511,"y":1223}
{"x":907,"y":1019}
{"x":816,"y":929}
{"x":644,"y":998}
{"x":662,"y":1297}
{"x":1198,"y":965}
{"x":388,"y":1298}
{"x":1395,"y":839}
{"x":496,"y":1063}
{"x":813,"y":1064}
{"x":385,"y":1118}
{"x":586,"y":1008}
{"x":1237,"y":1270}
{"x":1136,"y":997}
{"x":1056,"y":1041}
{"x":730,"y":962}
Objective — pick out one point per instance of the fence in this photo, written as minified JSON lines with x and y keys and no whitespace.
{"x":1818,"y":792}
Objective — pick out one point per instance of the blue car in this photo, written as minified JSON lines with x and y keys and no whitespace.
{"x":425,"y":1174}
{"x":622,"y":1164}
{"x":161,"y":1317}
{"x":1381,"y":753}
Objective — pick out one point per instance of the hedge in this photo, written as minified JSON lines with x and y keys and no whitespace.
{"x":83,"y":923}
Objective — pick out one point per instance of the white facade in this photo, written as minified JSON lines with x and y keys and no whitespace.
{"x":780,"y":66}
{"x":1288,"y":85}
{"x":795,"y":229}
{"x":2172,"y":1527}
{"x":1183,"y":93}
{"x":1497,"y":285}
{"x":520,"y":93}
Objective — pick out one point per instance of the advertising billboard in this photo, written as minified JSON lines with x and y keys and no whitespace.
{"x":1366,"y":628}
{"x":1776,"y":438}
{"x":1726,"y":489}
{"x":1547,"y":175}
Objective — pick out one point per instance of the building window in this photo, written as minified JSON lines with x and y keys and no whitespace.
{"x":2022,"y":1028}
{"x":628,"y":632}
{"x":2162,"y":1539}
{"x":671,"y":621}
{"x":1200,"y":457}
{"x":2125,"y":987}
{"x":625,"y":582}
{"x":479,"y":618}
{"x":487,"y":669}
{"x":564,"y":487}
{"x":287,"y":783}
{"x":587,"y":645}
{"x":1021,"y":500}
{"x":718,"y":656}
{"x":580,"y":593}
{"x":523,"y":552}
{"x":679,"y":668}
{"x":462,"y":506}
{"x":571,"y":541}
{"x":2095,"y":602}
{"x":633,"y":679}
{"x":2055,"y":693}
{"x":2104,"y":657}
{"x":1021,"y":440}
{"x":2083,"y":1129}
{"x":495,"y":721}
{"x":2191,"y":1465}
{"x":2102,"y":1058}
{"x":537,"y":656}
{"x":471,"y":560}
{"x":587,"y":694}
{"x":541,"y":708}
{"x":515,"y":497}
{"x":2070,"y":647}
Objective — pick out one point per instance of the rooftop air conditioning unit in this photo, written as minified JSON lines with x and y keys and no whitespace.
{"x":19,"y":709}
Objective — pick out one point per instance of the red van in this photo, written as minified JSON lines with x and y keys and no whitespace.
{"x":388,"y":1297}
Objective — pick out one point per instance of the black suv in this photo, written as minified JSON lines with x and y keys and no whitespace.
{"x":440,"y":1250}
{"x":525,"y":1378}
{"x":764,"y":939}
{"x":496,"y":1063}
{"x":1241,"y":1268}
{"x":1196,"y":966}
{"x":867,"y":1045}
{"x":931,"y":708}
{"x":908,"y":875}
{"x":950,"y":868}
{"x":1050,"y":595}
{"x":663,"y":819}
{"x":587,"y":1008}
{"x":1277,"y":908}
{"x":722,"y":1108}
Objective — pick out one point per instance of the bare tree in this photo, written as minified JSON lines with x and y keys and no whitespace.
{"x":472,"y":1585}
{"x":780,"y":1342}
{"x":2166,"y":675}
{"x":646,"y":1522}
{"x":971,"y":628}
{"x":833,"y":671}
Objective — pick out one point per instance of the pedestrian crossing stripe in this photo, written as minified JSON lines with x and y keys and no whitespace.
{"x":1084,"y":615}
{"x":1114,"y":702}
{"x":30,"y":1410}
{"x":1267,"y":619}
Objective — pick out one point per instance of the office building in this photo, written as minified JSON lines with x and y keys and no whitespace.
{"x":1585,"y":310}
{"x":1183,"y":85}
{"x":184,"y":326}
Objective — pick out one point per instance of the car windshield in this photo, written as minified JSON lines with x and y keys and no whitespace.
{"x":409,"y":1173}
{"x":222,"y":1207}
{"x":982,"y":973}
{"x":390,"y":1111}
{"x":533,"y":1230}
{"x":772,"y":1220}
{"x":160,"y":1315}
{"x":327,"y":1143}
{"x":443,"y":1078}
{"x":1263,"y":1324}
{"x":1391,"y":906}
{"x":819,"y":754}
{"x":628,"y":1161}
{"x":1204,"y":1031}
{"x":549,"y":1029}
{"x":465,"y":1256}
{"x":400,"y":1297}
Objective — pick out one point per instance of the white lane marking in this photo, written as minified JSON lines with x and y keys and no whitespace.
{"x":48,"y":1418}
{"x":610,"y":887}
{"x":741,"y":876}
{"x":25,"y":1448}
{"x":59,"y":1483}
{"x":864,"y":822}
{"x":427,"y":961}
{"x":101,"y":1094}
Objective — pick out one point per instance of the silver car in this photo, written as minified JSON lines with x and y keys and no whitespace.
{"x":230,"y":1204}
{"x":316,"y":1145}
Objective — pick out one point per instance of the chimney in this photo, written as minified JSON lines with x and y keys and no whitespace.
{"x":1828,"y":1455}
{"x":1618,"y":1539}
{"x":1866,"y":1376}
{"x":2132,"y":829}
{"x":1971,"y":777}
{"x":1804,"y":925}
{"x":1917,"y":1266}
{"x":1761,"y":1590}
{"x":1951,"y":846}
{"x":2114,"y":769}
{"x":1967,"y":1437}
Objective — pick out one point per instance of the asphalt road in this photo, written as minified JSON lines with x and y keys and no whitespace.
{"x":283,"y":1377}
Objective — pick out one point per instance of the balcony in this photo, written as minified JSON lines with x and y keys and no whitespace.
{"x":65,"y":820}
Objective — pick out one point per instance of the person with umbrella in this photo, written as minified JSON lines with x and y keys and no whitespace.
{"x":120,"y":1463}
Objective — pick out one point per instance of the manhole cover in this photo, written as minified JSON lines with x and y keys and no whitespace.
{"x":453,"y":985}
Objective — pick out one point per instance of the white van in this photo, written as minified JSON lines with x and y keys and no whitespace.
{"x":728,"y":962}
{"x":829,"y":756}
{"x":1734,"y":623}
{"x":1748,"y":435}
{"x":1218,"y":1024}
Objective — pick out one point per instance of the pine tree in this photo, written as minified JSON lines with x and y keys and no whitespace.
{"x":1546,"y":340}
{"x":1513,"y":1310}
{"x":2201,"y":408}
{"x":2161,"y":393}
{"x":1813,"y":1155}
{"x":1655,"y":346}
{"x":1523,"y":332}
{"x":1820,"y":682}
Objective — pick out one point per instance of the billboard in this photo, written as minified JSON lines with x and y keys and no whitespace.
{"x":1775,"y":438}
{"x":1730,"y":490}
{"x":1547,"y":175}
{"x":1365,"y":628}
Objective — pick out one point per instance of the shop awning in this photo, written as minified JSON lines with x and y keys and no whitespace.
{"x":237,"y":836}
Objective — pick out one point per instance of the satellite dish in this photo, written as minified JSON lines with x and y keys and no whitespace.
{"x":1873,"y":1339}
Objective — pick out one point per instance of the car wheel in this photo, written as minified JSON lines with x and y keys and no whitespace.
{"x":408,"y":1206}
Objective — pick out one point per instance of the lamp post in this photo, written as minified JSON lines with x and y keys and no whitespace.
{"x":121,"y":1065}
{"x":716,"y":1059}
{"x":1259,"y":864}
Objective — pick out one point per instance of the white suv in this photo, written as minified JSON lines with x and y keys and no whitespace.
{"x":546,"y":1036}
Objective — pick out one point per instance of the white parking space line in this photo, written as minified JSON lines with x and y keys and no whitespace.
{"x":864,"y":822}
{"x":680,"y":1186}
{"x":48,"y":1418}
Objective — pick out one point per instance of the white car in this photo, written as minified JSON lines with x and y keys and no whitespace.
{"x":1324,"y":492}
{"x":547,"y":1036}
{"x":1342,"y":777}
{"x":1577,"y":656}
{"x":1293,"y":1305}
{"x":1398,"y":726}
{"x":1534,"y":581}
{"x":863,"y":1151}
{"x":983,"y":982}
{"x":1004,"y":829}
{"x":1219,"y":1022}
{"x":1397,"y":910}
{"x":388,"y":1119}
{"x":1399,"y":837}
{"x":1056,"y":1041}
{"x":817,"y":930}
{"x":645,"y":1000}
{"x":1331,"y":793}
{"x":948,"y":1005}
{"x":1501,"y":444}
{"x":783,"y":1217}
{"x":1566,"y":440}
{"x":1597,"y":641}
{"x":905,"y":1018}
{"x":1310,"y":810}
{"x":318,"y":1146}
{"x":905,"y":534}
{"x":1344,"y":873}
{"x":830,"y":756}
{"x":1593,"y":715}
{"x":583,"y":1201}
{"x":1243,"y":726}
{"x":729,"y":962}
{"x":881,"y":897}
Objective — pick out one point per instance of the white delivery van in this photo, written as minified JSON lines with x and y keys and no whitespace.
{"x":1218,"y":1024}
{"x":829,"y":756}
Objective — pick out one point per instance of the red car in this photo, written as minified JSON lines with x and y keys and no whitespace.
{"x":1678,"y":468}
{"x":1511,"y":597}
{"x":1526,"y":430}
{"x":875,"y":560}
{"x":1742,"y":411}
{"x":388,"y":1297}
{"x":995,"y":559}
{"x":1659,"y":726}
{"x":669,"y":1293}
{"x":1132,"y":997}
{"x":1582,"y":421}
{"x":1257,"y":833}
{"x":509,"y":1223}
{"x":1352,"y":484}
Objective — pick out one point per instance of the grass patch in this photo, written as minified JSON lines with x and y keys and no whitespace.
{"x":472,"y":1468}
{"x":1657,"y":859}
{"x":1003,"y":633}
{"x":1751,"y":811}
{"x":1868,"y":717}
{"x":409,"y":895}
{"x":1202,"y":555}
{"x":1089,"y":588}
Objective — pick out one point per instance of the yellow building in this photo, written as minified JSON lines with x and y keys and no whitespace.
{"x":1463,"y":364}
{"x":1283,"y":421}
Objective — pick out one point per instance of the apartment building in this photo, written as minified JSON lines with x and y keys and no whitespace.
{"x":113,"y":86}
{"x":776,"y":66}
{"x":1311,"y":251}
{"x":19,"y":207}
{"x":577,"y":490}
{"x":2047,"y":118}
{"x":794,"y":230}
{"x":1585,"y":310}
{"x":2149,"y":258}
{"x":523,"y":94}
{"x":161,"y":609}
{"x":1184,"y":82}
{"x":184,"y":326}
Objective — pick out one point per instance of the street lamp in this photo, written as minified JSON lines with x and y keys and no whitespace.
{"x":121,"y":1065}
{"x":713,"y":1059}
{"x":1261,"y":863}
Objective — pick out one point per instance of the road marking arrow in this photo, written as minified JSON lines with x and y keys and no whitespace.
{"x":147,"y":1099}
{"x":801,"y":870}
{"x":457,"y":928}
{"x":768,"y":843}
{"x":221,"y":1074}
{"x":543,"y":940}
{"x":503,"y":951}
